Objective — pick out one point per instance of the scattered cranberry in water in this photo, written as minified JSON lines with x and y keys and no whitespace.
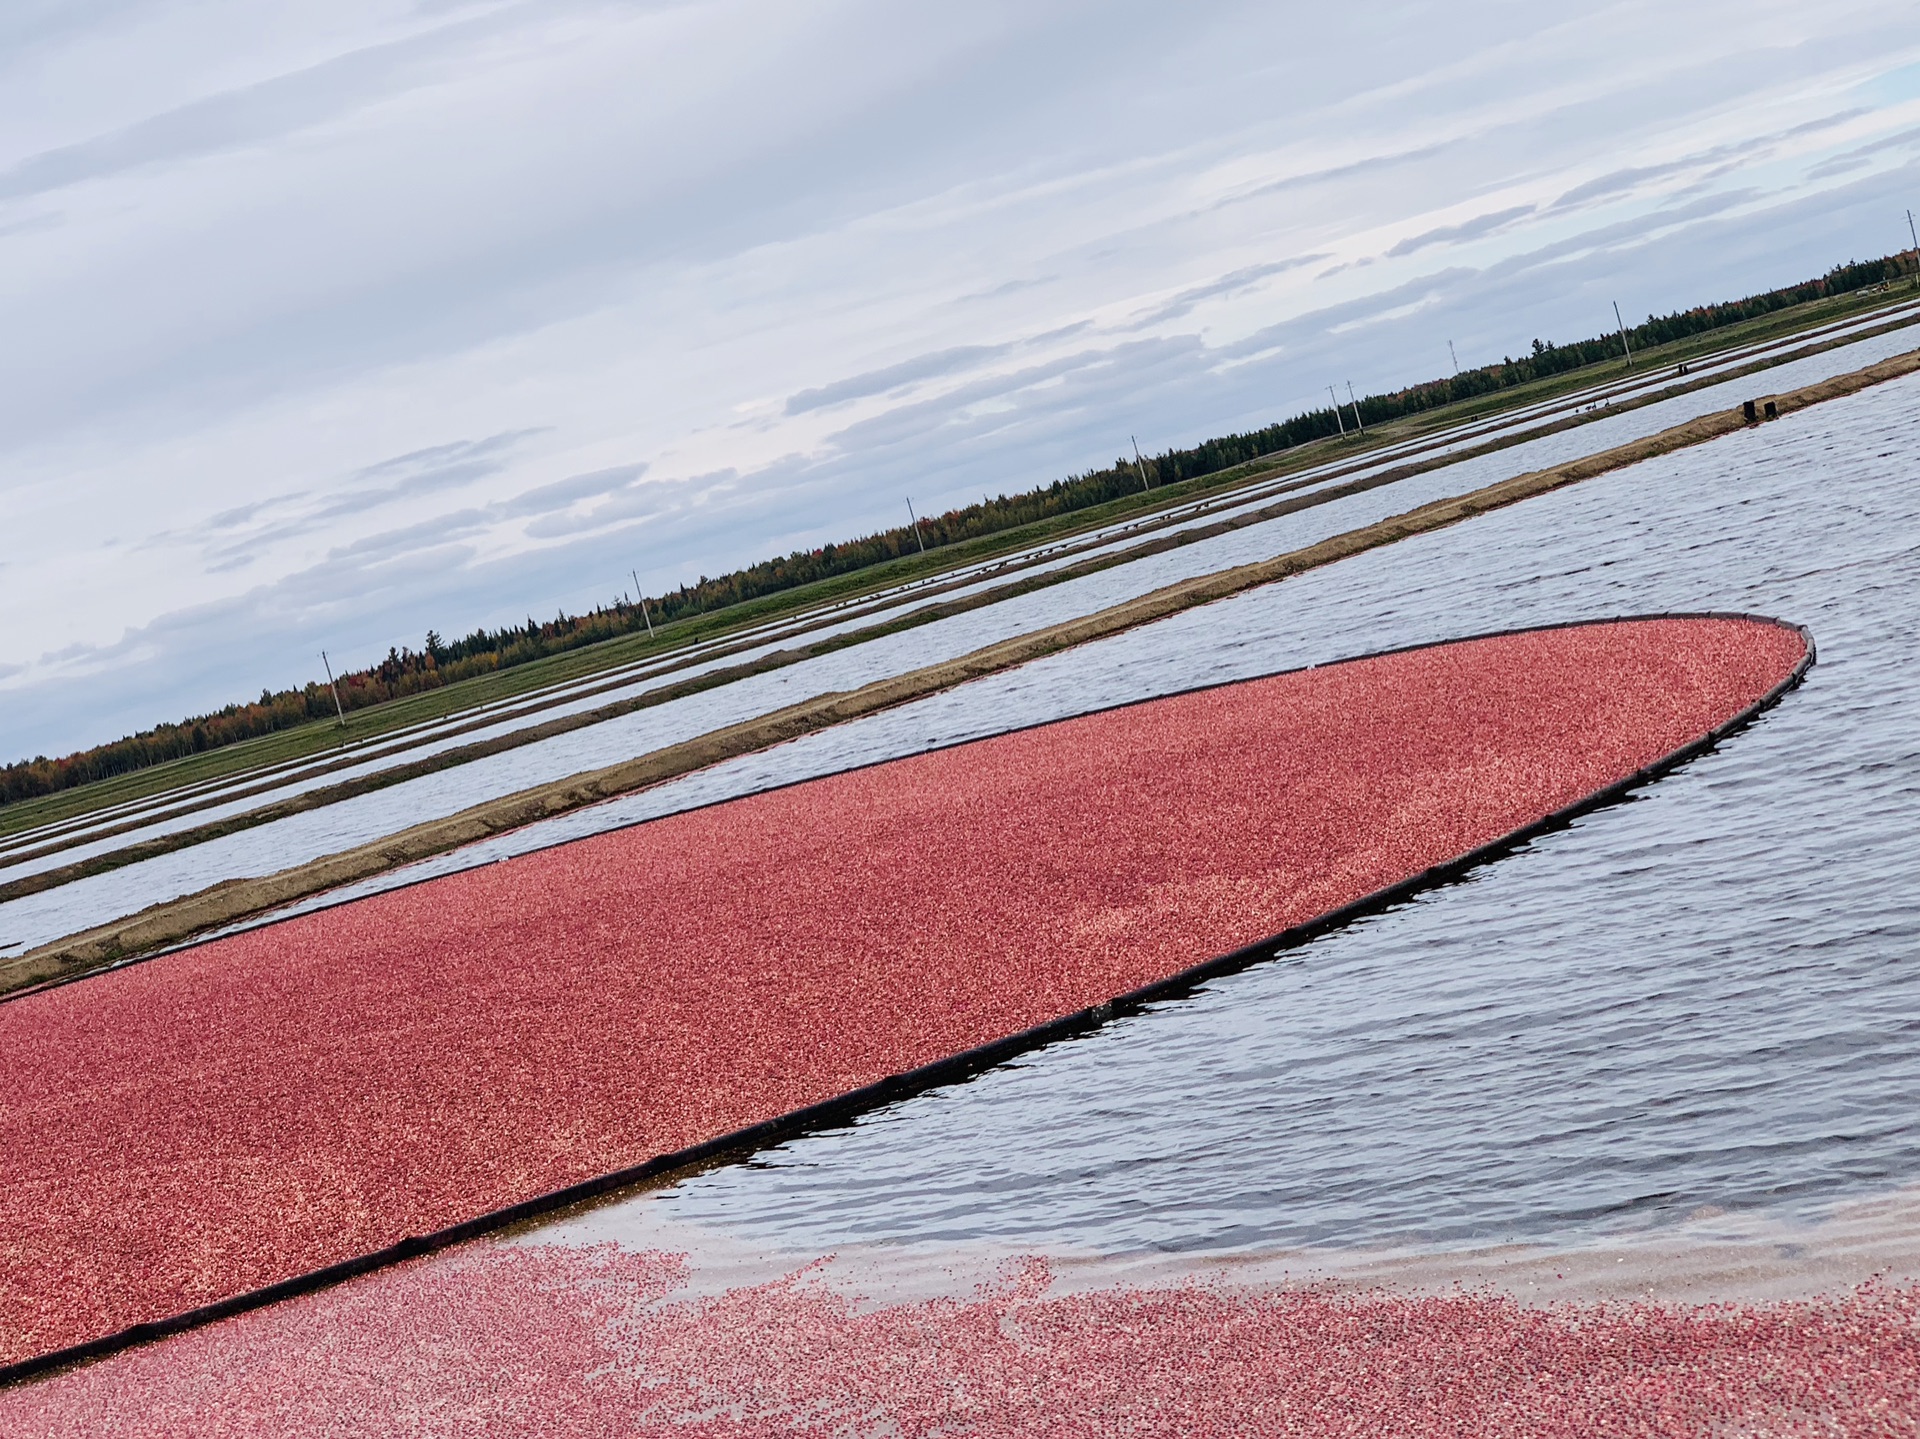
{"x":537,"y":1340}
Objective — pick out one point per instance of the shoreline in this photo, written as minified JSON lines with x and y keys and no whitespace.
{"x":1708,"y":1257}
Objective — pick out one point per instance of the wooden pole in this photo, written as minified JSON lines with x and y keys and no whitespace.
{"x":643,"y":602}
{"x":335,"y":688}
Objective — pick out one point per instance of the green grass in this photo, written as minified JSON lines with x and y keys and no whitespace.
{"x":320,"y":737}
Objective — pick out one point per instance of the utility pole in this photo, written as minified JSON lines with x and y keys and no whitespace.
{"x":1356,"y":407}
{"x":643,"y":602}
{"x":1336,"y":410}
{"x":1140,"y":465}
{"x":1451,"y":356}
{"x":916,"y":526}
{"x":1623,"y":333}
{"x":1915,"y":237}
{"x":335,"y":688}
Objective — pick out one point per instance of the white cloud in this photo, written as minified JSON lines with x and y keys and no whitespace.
{"x":332,"y":322}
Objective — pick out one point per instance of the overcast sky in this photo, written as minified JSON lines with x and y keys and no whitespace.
{"x":329,"y":321}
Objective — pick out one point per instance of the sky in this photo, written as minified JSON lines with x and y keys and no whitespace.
{"x":328,"y":322}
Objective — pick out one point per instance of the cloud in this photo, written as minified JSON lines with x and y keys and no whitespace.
{"x":931,"y":366}
{"x":1369,"y":167}
{"x":1230,"y":284}
{"x":1620,"y":182}
{"x":410,"y":538}
{"x":1707,"y":163}
{"x":564,"y":494}
{"x":1634,"y":232}
{"x":1011,"y":287}
{"x":246,"y":115}
{"x":234,"y":538}
{"x":634,"y":504}
{"x":1861,"y":155}
{"x":237,"y":516}
{"x":32,"y":224}
{"x":285,"y":270}
{"x":1472,"y":229}
{"x":436,"y":457}
{"x":427,"y":471}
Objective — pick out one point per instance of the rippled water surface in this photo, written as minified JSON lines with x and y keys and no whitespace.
{"x":1709,"y":995}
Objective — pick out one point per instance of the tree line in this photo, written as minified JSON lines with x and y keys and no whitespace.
{"x":406,"y":671}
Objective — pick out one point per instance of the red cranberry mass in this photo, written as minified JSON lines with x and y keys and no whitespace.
{"x":257,"y":1107}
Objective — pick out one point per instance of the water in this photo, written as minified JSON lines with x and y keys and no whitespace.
{"x":38,"y":918}
{"x":1707,"y":996}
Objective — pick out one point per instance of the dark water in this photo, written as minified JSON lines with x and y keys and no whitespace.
{"x":1708,"y":995}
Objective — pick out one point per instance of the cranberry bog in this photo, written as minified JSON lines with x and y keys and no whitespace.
{"x":230,"y":1123}
{"x":508,"y":1341}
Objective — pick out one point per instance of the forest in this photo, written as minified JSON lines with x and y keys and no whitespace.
{"x":437,"y":662}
